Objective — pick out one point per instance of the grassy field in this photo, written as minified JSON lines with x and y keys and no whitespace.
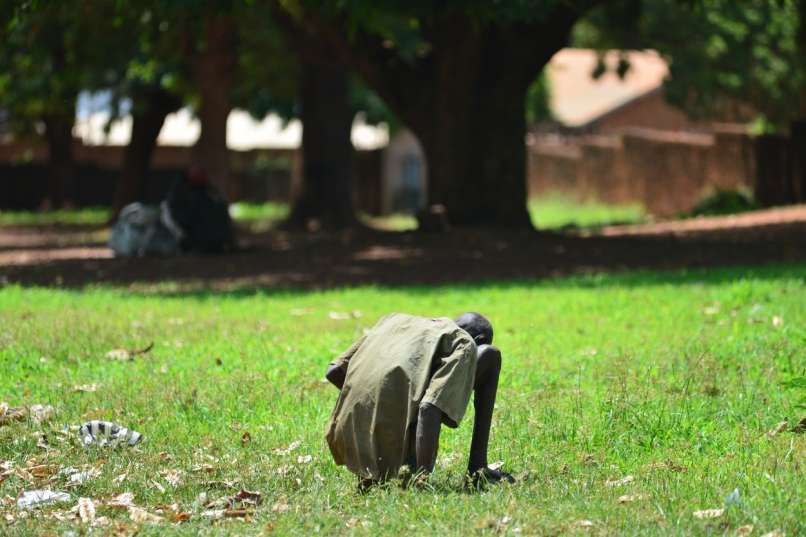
{"x":627,"y":403}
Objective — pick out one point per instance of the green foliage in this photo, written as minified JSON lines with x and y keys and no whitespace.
{"x":538,"y":98}
{"x":727,"y":59}
{"x":672,"y":378}
{"x":724,"y":202}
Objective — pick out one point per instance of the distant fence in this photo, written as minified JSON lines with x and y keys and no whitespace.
{"x":667,"y":171}
{"x":256,"y":175}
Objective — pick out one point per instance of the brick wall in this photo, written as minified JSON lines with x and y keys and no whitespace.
{"x":667,"y":171}
{"x":257,"y":175}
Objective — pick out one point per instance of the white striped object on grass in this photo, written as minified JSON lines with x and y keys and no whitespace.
{"x":103,"y":433}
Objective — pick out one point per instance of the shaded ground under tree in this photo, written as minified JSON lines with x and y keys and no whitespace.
{"x":76,"y":256}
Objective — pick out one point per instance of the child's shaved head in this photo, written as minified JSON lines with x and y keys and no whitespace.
{"x":477,"y":326}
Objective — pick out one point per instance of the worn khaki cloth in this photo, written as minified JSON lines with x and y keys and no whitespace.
{"x":402,"y":362}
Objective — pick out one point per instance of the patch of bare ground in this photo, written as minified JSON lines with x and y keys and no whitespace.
{"x":299,"y":260}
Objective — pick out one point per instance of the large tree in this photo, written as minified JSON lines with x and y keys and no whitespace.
{"x":46,"y":59}
{"x":721,"y":53}
{"x":457,"y":74}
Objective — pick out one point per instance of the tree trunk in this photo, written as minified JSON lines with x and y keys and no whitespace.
{"x":474,"y":134}
{"x":465,"y":101}
{"x":150,"y":107}
{"x":215,"y":71}
{"x":61,"y":162}
{"x":325,"y":196}
{"x":477,"y":160}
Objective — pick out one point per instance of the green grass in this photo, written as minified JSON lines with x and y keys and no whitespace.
{"x":87,"y":216}
{"x":604,"y":377}
{"x":256,"y":212}
{"x":556,"y":211}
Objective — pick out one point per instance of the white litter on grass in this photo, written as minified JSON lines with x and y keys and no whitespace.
{"x":32,"y":499}
{"x":103,"y":433}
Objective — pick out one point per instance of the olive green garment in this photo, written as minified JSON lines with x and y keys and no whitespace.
{"x":402,"y":362}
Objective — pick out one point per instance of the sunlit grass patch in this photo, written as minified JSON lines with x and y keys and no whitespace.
{"x":672,"y":380}
{"x":85,"y":216}
{"x":556,"y":211}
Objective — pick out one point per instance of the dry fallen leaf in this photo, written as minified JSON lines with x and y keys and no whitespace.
{"x":158,"y":486}
{"x":139,"y":515}
{"x":213,"y":513}
{"x":173,"y":477}
{"x":85,"y":388}
{"x":744,"y":530}
{"x":781,"y":427}
{"x":179,"y":517}
{"x":122,"y":501}
{"x":304,"y":459}
{"x":237,"y":513}
{"x":86,"y":510}
{"x":628,"y":498}
{"x":666,"y":465}
{"x":246,"y":438}
{"x":43,"y":470}
{"x":9,"y":414}
{"x":40,"y":413}
{"x":279,"y":507}
{"x":127,"y":354}
{"x":286,"y":450}
{"x":709,"y":513}
{"x":583,"y":524}
{"x":619,"y":482}
{"x":203,"y":468}
{"x":774,"y":533}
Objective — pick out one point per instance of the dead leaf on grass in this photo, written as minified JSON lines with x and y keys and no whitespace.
{"x":173,"y":477}
{"x":619,"y":482}
{"x":158,"y":486}
{"x":86,"y":388}
{"x":280,"y":507}
{"x":42,"y":471}
{"x":86,"y":510}
{"x":781,"y":427}
{"x":304,"y":459}
{"x":287,"y":450}
{"x":9,"y":414}
{"x":629,"y":498}
{"x":800,"y":427}
{"x":40,"y":413}
{"x":238,"y":513}
{"x":666,"y":465}
{"x":583,"y":524}
{"x":203,"y":468}
{"x":178,"y":518}
{"x":246,"y":438}
{"x":709,"y":513}
{"x":141,"y":516}
{"x":124,"y":355}
{"x":121,"y":501}
{"x":744,"y":530}
{"x":774,"y":533}
{"x":214,"y":514}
